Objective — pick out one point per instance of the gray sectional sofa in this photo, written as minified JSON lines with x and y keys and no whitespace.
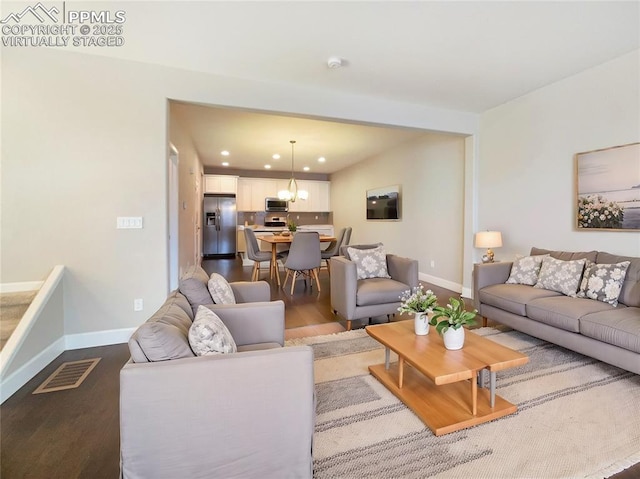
{"x":588,"y":326}
{"x":246,"y":414}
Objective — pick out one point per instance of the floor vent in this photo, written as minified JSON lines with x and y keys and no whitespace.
{"x":68,"y":376}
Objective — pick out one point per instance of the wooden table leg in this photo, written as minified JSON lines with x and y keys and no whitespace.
{"x":474,"y":394}
{"x":400,"y":371}
{"x":274,"y":262}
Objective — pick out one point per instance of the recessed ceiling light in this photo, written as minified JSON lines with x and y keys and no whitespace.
{"x":276,"y":156}
{"x":224,"y":153}
{"x":225,"y":163}
{"x":306,"y":168}
{"x":322,"y":159}
{"x":267,"y":167}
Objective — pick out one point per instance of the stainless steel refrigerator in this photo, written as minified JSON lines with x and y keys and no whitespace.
{"x":219,"y":227}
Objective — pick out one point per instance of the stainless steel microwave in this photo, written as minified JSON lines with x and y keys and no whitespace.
{"x":276,"y":204}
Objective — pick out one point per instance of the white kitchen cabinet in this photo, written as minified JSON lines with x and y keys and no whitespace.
{"x":220,"y":184}
{"x":318,"y":200}
{"x":253,"y":191}
{"x":243,"y":198}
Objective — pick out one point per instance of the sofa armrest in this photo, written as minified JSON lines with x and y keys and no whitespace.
{"x":253,"y":323}
{"x":486,"y":274}
{"x":251,"y":291}
{"x":404,"y":270}
{"x":344,"y":284}
{"x":245,"y":415}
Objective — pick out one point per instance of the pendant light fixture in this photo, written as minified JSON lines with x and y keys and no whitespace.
{"x":292,"y":193}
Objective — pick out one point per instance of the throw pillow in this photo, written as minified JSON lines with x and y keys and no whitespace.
{"x":370,"y":263}
{"x":209,"y":335}
{"x":582,"y":290}
{"x":525,"y":270}
{"x":604,"y":281}
{"x":220,"y":290}
{"x":196,"y":292}
{"x":561,"y":276}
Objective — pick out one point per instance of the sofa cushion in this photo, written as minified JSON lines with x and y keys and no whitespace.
{"x":196,"y":271}
{"x":163,"y":336}
{"x":619,"y":326}
{"x":512,"y":297}
{"x":209,"y":335}
{"x":563,"y":312}
{"x":220,"y":290}
{"x":525,"y":270}
{"x":196,"y":292}
{"x":179,"y":299}
{"x":370,"y":263}
{"x":559,"y":275}
{"x":258,"y":347}
{"x":630,"y":294}
{"x":603,"y":282}
{"x":379,"y":291}
{"x":566,"y":255}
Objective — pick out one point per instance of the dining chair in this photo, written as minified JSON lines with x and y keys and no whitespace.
{"x":304,"y":257}
{"x":256,"y":255}
{"x":334,"y":247}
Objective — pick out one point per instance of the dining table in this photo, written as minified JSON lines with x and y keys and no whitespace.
{"x":276,"y":239}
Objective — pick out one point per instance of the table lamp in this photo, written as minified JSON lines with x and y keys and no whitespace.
{"x":488,"y":239}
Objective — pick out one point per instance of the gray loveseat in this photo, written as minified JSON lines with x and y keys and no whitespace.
{"x":594,"y":328}
{"x":247,"y":414}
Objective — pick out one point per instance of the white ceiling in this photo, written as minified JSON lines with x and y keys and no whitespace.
{"x":468,"y":56}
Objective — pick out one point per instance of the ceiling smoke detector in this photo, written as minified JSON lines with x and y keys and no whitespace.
{"x":334,"y":62}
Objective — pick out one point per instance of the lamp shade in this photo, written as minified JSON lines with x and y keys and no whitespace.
{"x":488,"y":239}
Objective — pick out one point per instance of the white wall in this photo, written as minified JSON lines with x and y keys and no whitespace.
{"x":431,"y":172}
{"x":190,"y":207}
{"x":85,"y":140}
{"x":526,"y":177}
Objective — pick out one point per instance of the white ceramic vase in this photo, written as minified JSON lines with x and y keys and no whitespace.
{"x":453,"y":338}
{"x":421,"y":323}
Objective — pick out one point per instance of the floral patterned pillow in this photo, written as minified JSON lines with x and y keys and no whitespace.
{"x":561,"y":276}
{"x":370,"y":263}
{"x":220,"y":290}
{"x":603,"y":282}
{"x":209,"y":335}
{"x":525,"y":270}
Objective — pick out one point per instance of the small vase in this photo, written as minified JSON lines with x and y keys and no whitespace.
{"x":453,"y":338}
{"x":421,"y":323}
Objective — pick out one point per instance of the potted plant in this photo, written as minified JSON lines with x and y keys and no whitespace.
{"x":418,"y":302}
{"x":292,"y":226}
{"x":449,"y":321}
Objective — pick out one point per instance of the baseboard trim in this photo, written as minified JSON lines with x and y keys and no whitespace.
{"x":443,"y":283}
{"x":27,"y":372}
{"x":98,"y":338}
{"x":71,"y":341}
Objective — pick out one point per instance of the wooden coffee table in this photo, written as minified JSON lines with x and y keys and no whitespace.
{"x":441,"y":386}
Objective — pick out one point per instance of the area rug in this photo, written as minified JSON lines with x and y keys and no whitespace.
{"x":577,"y":417}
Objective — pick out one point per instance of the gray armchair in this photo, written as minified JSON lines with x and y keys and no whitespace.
{"x":355,"y":299}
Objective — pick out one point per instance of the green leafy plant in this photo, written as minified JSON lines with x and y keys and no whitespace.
{"x":417,"y":301}
{"x":292,"y":226}
{"x":453,"y":315}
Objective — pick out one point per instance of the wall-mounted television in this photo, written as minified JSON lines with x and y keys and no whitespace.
{"x":384,"y":203}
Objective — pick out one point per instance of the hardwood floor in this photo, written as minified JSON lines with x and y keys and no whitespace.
{"x":75,"y":433}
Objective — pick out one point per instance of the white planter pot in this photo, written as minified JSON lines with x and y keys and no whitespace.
{"x":453,"y":338}
{"x":421,"y":323}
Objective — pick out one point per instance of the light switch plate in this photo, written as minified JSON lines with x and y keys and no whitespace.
{"x":129,"y":222}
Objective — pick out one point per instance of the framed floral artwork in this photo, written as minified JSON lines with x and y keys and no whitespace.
{"x":608,"y":189}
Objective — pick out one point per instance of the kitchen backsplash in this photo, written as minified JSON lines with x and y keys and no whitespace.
{"x":257,"y":218}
